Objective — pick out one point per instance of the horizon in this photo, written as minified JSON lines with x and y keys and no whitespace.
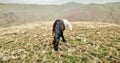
{"x":55,"y":2}
{"x":58,"y":4}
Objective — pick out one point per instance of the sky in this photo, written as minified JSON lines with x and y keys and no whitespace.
{"x":56,"y":1}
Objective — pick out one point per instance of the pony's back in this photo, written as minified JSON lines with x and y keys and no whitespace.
{"x":58,"y":26}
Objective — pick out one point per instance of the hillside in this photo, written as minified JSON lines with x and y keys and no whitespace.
{"x":17,"y":14}
{"x":89,"y":42}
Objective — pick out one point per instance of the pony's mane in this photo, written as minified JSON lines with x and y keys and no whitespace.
{"x":67,"y":24}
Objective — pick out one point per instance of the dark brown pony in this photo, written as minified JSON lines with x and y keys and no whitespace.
{"x":58,"y":28}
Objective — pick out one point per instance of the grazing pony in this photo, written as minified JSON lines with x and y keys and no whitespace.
{"x":58,"y":27}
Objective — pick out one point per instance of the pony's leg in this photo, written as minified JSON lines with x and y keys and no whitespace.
{"x":63,"y":39}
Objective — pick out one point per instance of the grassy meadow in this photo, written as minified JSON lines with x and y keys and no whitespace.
{"x":89,"y":42}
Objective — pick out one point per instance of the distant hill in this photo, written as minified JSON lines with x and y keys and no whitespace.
{"x":16,"y":14}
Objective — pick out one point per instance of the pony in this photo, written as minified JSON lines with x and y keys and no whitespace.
{"x":58,"y":28}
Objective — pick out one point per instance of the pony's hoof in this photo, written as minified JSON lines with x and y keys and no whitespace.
{"x":56,"y":49}
{"x":64,"y":41}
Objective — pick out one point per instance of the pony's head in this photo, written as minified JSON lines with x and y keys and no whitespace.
{"x":55,"y":43}
{"x":67,"y":24}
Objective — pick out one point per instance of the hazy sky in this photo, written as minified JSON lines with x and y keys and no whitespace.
{"x":56,"y":1}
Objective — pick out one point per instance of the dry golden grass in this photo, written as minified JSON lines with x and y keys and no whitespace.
{"x":87,"y":43}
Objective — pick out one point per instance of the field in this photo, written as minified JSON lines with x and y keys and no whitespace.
{"x":89,"y":42}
